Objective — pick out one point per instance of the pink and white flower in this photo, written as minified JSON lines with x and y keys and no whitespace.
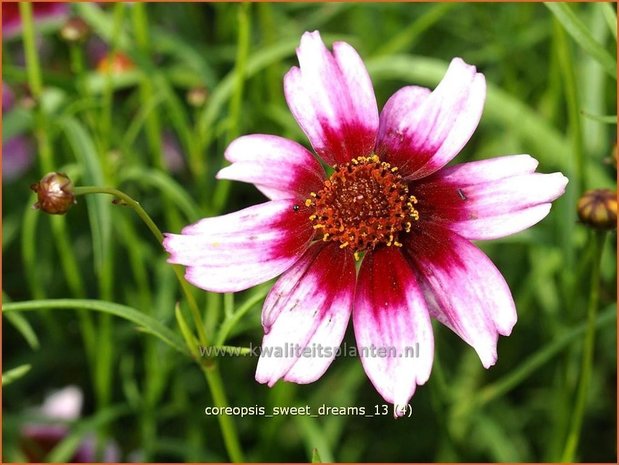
{"x":44,"y":12}
{"x":58,"y":411}
{"x":390,"y":203}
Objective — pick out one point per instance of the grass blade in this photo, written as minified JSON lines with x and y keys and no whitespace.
{"x":146,"y":323}
{"x":14,"y":374}
{"x":581,"y":35}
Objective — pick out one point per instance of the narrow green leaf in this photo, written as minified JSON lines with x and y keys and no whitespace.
{"x":610,"y":16}
{"x":14,"y":374}
{"x":24,"y":328}
{"x":167,"y":186}
{"x":98,"y":206}
{"x":406,"y":38}
{"x":604,"y":119}
{"x":145,"y":322}
{"x":582,"y":36}
{"x":316,"y":456}
{"x":314,"y":437}
{"x":190,"y":340}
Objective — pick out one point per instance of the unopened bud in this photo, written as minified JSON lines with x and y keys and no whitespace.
{"x":75,"y":30}
{"x":115,"y":63}
{"x":597,"y":208}
{"x":196,"y":96}
{"x":54,"y":193}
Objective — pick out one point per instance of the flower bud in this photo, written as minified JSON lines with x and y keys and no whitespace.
{"x":75,"y":30}
{"x":196,"y":96}
{"x":54,"y":194}
{"x":597,"y":208}
{"x":115,"y":63}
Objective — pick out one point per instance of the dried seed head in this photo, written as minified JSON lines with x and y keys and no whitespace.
{"x":597,"y":208}
{"x":54,"y":193}
{"x":75,"y":31}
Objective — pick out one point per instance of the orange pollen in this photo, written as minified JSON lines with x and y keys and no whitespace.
{"x":365,"y":203}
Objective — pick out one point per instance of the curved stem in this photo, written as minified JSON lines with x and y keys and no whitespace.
{"x":597,"y":244}
{"x":210,"y":370}
{"x":159,"y":236}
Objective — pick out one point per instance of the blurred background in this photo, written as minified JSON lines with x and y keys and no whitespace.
{"x":146,"y":97}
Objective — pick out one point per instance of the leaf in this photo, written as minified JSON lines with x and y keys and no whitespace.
{"x":313,"y":435}
{"x":581,"y":35}
{"x":14,"y":374}
{"x":604,"y":119}
{"x":316,"y":456}
{"x":98,"y":207}
{"x":24,"y":328}
{"x":168,"y":186}
{"x":145,"y":322}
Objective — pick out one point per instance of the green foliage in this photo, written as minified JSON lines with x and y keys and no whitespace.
{"x":89,"y":299}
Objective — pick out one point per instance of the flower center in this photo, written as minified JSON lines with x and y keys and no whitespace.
{"x":365,"y":203}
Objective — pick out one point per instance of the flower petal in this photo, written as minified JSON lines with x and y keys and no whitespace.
{"x":278,"y":167}
{"x":307,"y":310}
{"x":65,"y":404}
{"x":490,"y":198}
{"x":421,"y":133}
{"x":466,"y":291}
{"x":392,"y":326}
{"x":332,"y":98}
{"x":233,"y":252}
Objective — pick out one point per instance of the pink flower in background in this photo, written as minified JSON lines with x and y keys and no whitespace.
{"x":17,"y":152}
{"x":58,"y":409}
{"x":43,"y":11}
{"x":17,"y":157}
{"x":390,"y":203}
{"x":8,"y":98}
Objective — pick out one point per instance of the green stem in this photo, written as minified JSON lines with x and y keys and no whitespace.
{"x":32,"y":60}
{"x":571,"y":444}
{"x":572,"y":98}
{"x":210,"y":370}
{"x":153,"y":125}
{"x":84,"y":190}
{"x":213,"y":379}
{"x":108,"y":89}
{"x":242,"y":55}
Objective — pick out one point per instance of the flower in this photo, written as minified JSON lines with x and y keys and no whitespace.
{"x":17,"y":152}
{"x":391,"y":203}
{"x":17,"y":157}
{"x":60,"y":407}
{"x":43,"y":12}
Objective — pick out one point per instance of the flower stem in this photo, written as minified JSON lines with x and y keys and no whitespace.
{"x":228,"y":430}
{"x":234,"y":120}
{"x":597,"y":244}
{"x":33,"y":69}
{"x":83,"y":190}
{"x":210,"y":370}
